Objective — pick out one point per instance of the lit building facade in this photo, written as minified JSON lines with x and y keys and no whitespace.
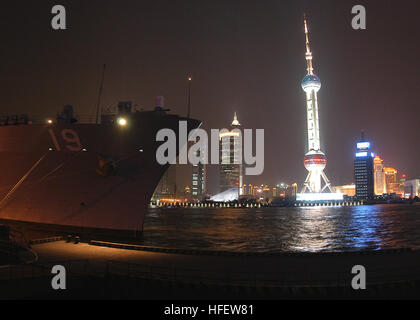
{"x":378,"y":168}
{"x":265,"y":191}
{"x":167,"y":185}
{"x":315,"y":160}
{"x":248,"y":190}
{"x":231,"y":171}
{"x":392,"y":185}
{"x":291,"y":191}
{"x":199,"y":177}
{"x":403,"y":179}
{"x":364,"y":171}
{"x":412,"y":188}
{"x":348,"y":190}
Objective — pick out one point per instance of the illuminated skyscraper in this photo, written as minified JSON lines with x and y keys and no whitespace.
{"x":315,"y":159}
{"x":198,"y":188}
{"x":392,"y":186}
{"x":231,"y":171}
{"x":363,"y":170}
{"x":378,"y":167}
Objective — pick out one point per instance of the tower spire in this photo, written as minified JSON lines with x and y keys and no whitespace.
{"x":235,"y":121}
{"x":308,"y":48}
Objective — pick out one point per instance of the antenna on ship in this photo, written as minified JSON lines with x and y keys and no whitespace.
{"x":100,"y":95}
{"x":189,"y":97}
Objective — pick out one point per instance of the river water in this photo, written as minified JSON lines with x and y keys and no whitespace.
{"x":314,"y":229}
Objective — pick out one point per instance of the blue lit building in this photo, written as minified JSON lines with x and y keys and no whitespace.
{"x":364,"y":170}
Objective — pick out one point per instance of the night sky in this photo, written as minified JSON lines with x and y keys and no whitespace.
{"x":244,"y":56}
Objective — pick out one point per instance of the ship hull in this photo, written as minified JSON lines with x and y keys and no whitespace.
{"x":81,"y":177}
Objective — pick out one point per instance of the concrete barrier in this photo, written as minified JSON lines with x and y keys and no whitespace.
{"x":228,"y":253}
{"x":46,"y":240}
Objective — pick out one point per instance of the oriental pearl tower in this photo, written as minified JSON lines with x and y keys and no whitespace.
{"x":315,"y":159}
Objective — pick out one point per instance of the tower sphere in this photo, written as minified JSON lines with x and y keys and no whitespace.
{"x":315,"y":161}
{"x":311,"y":82}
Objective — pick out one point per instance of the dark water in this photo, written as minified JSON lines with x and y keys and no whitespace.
{"x":285,"y":229}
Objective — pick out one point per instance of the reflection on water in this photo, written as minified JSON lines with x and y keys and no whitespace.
{"x":285,"y":229}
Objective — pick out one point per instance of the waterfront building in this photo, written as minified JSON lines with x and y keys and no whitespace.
{"x":256,"y":191}
{"x":231,"y":171}
{"x":392,"y":185}
{"x":267,"y":193}
{"x":248,"y":190}
{"x":280,"y":190}
{"x":348,"y":190}
{"x":167,"y":185}
{"x":291,"y":191}
{"x":199,"y":177}
{"x":412,"y":188}
{"x":364,"y":170}
{"x":403,"y":179}
{"x":379,"y":176}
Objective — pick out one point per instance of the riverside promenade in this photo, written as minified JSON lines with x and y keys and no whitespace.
{"x":267,"y":269}
{"x":288,"y":271}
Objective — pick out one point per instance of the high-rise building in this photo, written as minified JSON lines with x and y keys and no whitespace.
{"x":231,"y":171}
{"x":364,"y":171}
{"x":291,"y":191}
{"x":378,"y":167}
{"x":248,"y":190}
{"x":266,"y":192}
{"x":403,"y":179}
{"x":412,"y":188}
{"x":392,"y":185}
{"x":198,"y":184}
{"x":167,"y":185}
{"x":315,"y":159}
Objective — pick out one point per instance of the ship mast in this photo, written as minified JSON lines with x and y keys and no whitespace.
{"x":100,"y":95}
{"x":189,"y":97}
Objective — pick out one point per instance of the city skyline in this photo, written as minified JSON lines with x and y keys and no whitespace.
{"x":237,"y":151}
{"x":236,"y":65}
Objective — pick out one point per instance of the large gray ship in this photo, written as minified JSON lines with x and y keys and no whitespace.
{"x":89,"y":179}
